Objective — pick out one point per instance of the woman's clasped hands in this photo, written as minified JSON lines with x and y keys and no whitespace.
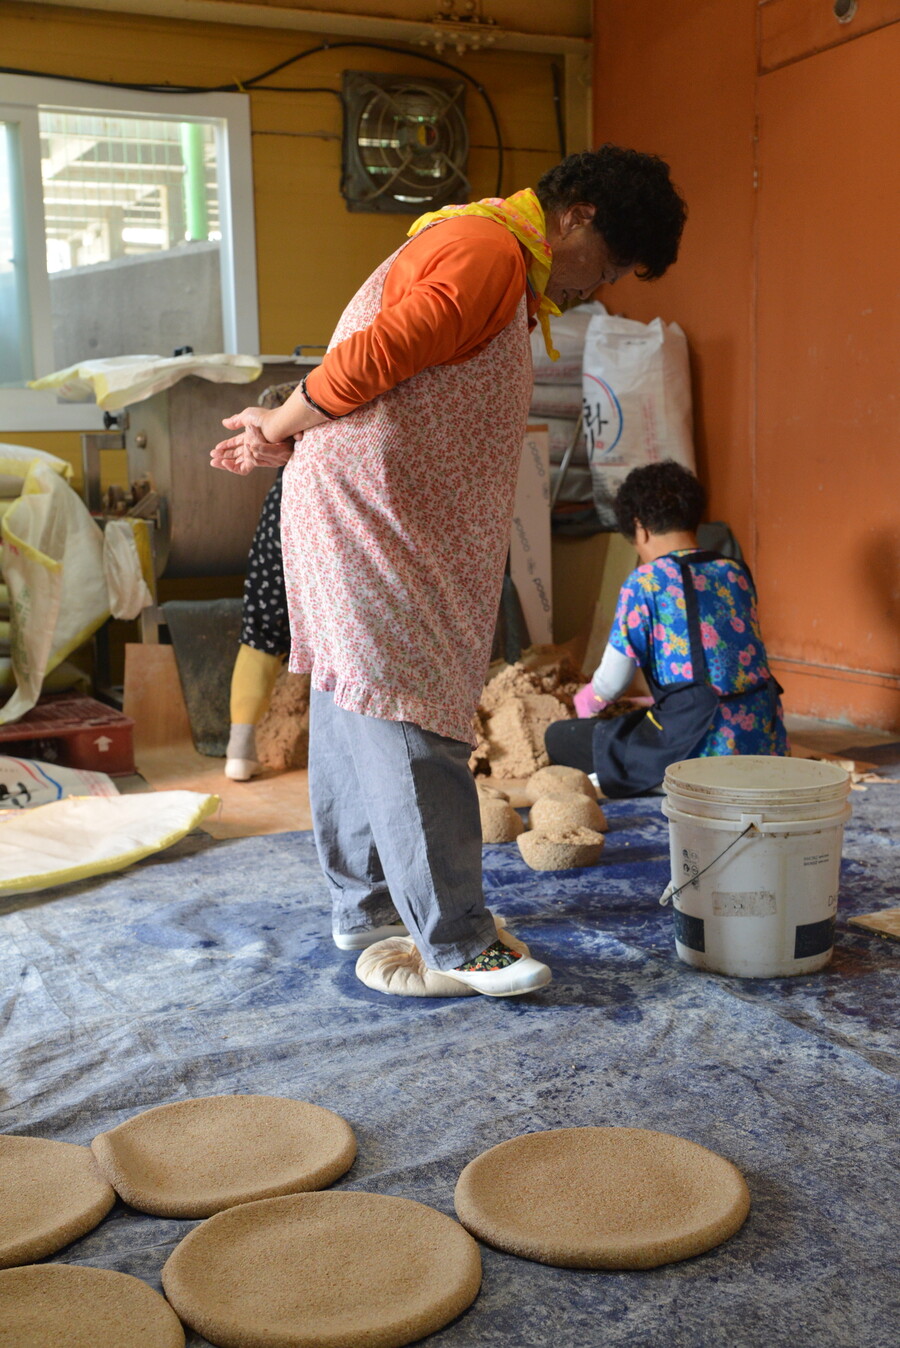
{"x":251,"y":448}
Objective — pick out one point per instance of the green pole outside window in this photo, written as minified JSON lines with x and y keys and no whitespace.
{"x":195,"y":211}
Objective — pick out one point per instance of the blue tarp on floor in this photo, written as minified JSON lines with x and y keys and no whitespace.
{"x":210,"y":970}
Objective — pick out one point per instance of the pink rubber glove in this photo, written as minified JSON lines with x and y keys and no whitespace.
{"x":587,"y":703}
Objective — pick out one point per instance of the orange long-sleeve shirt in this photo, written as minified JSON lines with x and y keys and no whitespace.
{"x":449,"y":292}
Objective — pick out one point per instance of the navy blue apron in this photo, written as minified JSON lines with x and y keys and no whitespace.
{"x":631,"y":752}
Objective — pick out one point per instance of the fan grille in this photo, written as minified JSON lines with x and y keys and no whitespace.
{"x":405,"y":143}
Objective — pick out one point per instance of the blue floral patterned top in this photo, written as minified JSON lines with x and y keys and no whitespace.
{"x":650,"y":627}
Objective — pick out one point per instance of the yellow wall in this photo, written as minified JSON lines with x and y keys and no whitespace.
{"x":311,"y":252}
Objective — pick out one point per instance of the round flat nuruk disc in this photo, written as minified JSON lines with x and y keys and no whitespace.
{"x":196,"y":1157}
{"x":70,"y":1306}
{"x":601,"y":1198}
{"x":50,"y":1194}
{"x":323,"y":1270}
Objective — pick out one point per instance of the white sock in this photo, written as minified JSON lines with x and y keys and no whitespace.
{"x":242,"y":743}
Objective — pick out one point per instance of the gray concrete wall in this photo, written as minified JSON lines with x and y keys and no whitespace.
{"x":146,"y":305}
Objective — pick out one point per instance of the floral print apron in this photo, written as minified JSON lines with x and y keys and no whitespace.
{"x":395,"y":529}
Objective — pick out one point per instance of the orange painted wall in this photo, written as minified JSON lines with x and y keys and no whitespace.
{"x":795,"y":385}
{"x":828,"y":471}
{"x":678,"y":80}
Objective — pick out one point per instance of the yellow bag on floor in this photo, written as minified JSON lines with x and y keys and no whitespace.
{"x":81,"y":836}
{"x":53,"y":567}
{"x":15,"y":460}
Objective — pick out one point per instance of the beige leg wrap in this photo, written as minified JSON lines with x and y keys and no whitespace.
{"x":252,"y":682}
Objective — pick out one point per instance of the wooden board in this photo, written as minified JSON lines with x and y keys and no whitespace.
{"x":166,"y":758}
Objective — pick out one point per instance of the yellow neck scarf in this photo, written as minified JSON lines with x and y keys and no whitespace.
{"x":523,"y":215}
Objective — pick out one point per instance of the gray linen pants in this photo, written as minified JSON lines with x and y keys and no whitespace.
{"x":397,"y":829}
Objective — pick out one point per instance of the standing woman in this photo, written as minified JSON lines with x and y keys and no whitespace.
{"x":687,"y":619}
{"x":396,"y":516}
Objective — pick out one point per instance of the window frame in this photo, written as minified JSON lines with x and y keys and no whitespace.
{"x":23,"y":409}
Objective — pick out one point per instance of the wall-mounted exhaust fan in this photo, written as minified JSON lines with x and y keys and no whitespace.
{"x":405,"y":143}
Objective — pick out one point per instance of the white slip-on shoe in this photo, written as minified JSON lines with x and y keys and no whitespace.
{"x":361,"y":940}
{"x":523,"y":975}
{"x":241,"y":769}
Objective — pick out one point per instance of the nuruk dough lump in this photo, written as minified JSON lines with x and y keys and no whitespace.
{"x":323,"y":1270}
{"x":515,"y":734}
{"x":196,"y":1157}
{"x":562,"y":849}
{"x":71,"y":1306}
{"x":492,"y":792}
{"x":499,"y":821}
{"x":517,"y":704}
{"x":396,"y":967}
{"x":282,"y":735}
{"x":50,"y":1194}
{"x":602,"y":1198}
{"x":546,"y":781}
{"x":566,"y":809}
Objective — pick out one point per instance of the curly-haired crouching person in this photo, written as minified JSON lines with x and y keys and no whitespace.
{"x":687,"y":618}
{"x":396,"y":515}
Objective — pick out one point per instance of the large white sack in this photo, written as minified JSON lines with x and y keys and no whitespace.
{"x":556,"y":400}
{"x":28,"y":783}
{"x":569,"y":331}
{"x":637,"y":400}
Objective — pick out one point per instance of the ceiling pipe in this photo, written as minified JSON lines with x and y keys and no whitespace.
{"x":368,"y":26}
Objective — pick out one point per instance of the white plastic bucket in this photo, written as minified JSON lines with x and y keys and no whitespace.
{"x":755,"y":846}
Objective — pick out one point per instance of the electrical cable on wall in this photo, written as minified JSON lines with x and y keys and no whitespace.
{"x":558,"y":108}
{"x":254,"y":81}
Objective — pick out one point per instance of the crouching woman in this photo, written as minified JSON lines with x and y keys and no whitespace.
{"x":687,"y":619}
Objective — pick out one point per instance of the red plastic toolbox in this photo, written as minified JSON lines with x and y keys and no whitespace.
{"x":77,"y":732}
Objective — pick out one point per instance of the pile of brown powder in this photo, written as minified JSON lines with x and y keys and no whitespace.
{"x":518,"y":703}
{"x":282,"y":736}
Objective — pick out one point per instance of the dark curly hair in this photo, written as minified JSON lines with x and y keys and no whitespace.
{"x":664,"y":497}
{"x":639,"y":211}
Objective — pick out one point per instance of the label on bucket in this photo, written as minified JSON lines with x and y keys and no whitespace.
{"x":745,"y":903}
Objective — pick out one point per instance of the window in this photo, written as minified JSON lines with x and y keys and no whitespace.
{"x":126,"y":227}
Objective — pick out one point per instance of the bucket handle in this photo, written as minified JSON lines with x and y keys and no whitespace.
{"x":785,"y":826}
{"x":670,"y":892}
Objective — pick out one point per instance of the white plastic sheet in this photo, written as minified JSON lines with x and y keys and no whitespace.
{"x":119,"y":380}
{"x":569,"y":333}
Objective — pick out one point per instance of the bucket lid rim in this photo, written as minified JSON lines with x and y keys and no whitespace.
{"x":830,"y":778}
{"x":827,"y":773}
